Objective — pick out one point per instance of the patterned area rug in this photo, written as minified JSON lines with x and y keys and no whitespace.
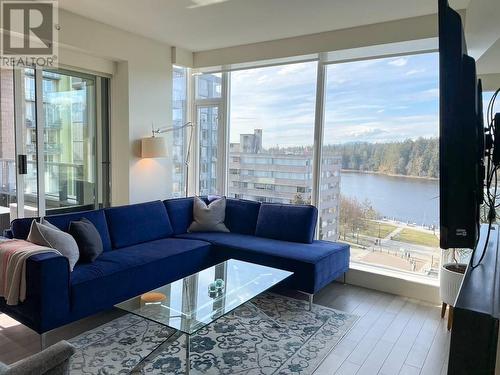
{"x":243,"y":342}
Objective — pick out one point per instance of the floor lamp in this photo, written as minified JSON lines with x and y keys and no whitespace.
{"x":155,"y":147}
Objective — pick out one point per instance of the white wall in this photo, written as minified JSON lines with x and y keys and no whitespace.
{"x":141,"y":94}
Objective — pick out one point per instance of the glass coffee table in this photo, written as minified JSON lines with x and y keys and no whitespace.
{"x":191,"y":303}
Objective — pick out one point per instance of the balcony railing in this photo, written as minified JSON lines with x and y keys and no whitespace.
{"x":64,"y":182}
{"x":48,"y":148}
{"x":56,"y":124}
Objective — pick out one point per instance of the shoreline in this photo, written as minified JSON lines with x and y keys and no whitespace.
{"x":389,"y":174}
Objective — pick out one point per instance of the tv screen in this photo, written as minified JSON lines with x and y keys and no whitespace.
{"x":461,"y":144}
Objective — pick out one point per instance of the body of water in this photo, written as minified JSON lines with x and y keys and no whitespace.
{"x":404,"y":199}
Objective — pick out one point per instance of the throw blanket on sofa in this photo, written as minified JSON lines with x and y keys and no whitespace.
{"x":13,"y":255}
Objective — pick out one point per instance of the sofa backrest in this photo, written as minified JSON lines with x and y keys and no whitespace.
{"x":287,"y":222}
{"x":21,"y":227}
{"x":241,"y":215}
{"x":137,"y":223}
{"x":180,"y":212}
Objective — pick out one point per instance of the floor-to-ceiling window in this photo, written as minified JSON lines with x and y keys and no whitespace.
{"x":381,"y":137}
{"x":271,"y":133}
{"x":179,"y":118}
{"x":209,"y":120}
{"x":379,"y":182}
{"x":487,"y":95}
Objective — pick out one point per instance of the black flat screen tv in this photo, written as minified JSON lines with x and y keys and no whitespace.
{"x":461,"y":142}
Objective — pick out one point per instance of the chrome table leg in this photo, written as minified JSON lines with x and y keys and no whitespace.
{"x":260,"y":312}
{"x":188,"y":349}
{"x":155,"y":353}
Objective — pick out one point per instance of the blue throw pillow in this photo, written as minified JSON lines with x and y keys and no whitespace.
{"x":87,"y":238}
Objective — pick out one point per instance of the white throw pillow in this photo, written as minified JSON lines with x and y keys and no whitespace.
{"x":63,"y":242}
{"x":208,"y":218}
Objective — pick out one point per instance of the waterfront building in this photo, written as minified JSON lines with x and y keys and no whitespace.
{"x":284,"y":175}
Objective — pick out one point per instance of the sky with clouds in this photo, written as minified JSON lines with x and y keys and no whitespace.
{"x":380,"y":100}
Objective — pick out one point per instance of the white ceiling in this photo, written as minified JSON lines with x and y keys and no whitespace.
{"x":199,"y":25}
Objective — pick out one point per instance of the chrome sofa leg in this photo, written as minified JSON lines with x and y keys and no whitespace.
{"x":43,"y":341}
{"x":311,"y":297}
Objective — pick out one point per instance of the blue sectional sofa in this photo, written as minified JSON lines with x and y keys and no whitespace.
{"x":147,"y":245}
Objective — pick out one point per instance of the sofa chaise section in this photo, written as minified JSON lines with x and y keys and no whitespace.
{"x":274,"y":235}
{"x":315,"y":265}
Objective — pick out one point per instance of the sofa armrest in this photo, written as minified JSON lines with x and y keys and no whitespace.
{"x":47,"y":290}
{"x":54,"y":359}
{"x":7,"y":233}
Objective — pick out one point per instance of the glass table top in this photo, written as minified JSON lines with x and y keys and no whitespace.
{"x":188,"y":305}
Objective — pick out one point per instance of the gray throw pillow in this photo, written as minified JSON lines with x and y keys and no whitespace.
{"x":88,"y":239}
{"x":63,"y":242}
{"x":208,"y":218}
{"x":45,"y":222}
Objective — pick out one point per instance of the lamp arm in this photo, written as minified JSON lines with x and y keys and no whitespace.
{"x":172,"y":128}
{"x":188,"y":153}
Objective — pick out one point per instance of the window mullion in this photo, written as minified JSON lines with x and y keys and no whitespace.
{"x":40,"y":128}
{"x":224,"y":134}
{"x":318,"y":132}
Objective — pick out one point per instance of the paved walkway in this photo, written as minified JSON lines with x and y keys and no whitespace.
{"x":391,"y":235}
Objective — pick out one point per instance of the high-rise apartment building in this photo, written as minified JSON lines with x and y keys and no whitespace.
{"x":208,"y":90}
{"x":284,"y":176}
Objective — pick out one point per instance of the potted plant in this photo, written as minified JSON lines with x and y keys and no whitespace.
{"x":450,"y":280}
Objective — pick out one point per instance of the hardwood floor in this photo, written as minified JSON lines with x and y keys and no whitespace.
{"x":394,"y":335}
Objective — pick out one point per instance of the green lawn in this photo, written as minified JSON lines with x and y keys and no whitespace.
{"x":417,"y":237}
{"x":372,"y":229}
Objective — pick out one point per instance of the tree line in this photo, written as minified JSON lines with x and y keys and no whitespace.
{"x":418,"y":157}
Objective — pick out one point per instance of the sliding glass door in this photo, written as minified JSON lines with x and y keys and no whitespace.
{"x":69,"y":140}
{"x":8,"y":196}
{"x":49,"y":159}
{"x":26,"y":156}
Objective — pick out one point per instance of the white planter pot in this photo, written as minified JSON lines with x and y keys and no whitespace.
{"x":449,"y":284}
